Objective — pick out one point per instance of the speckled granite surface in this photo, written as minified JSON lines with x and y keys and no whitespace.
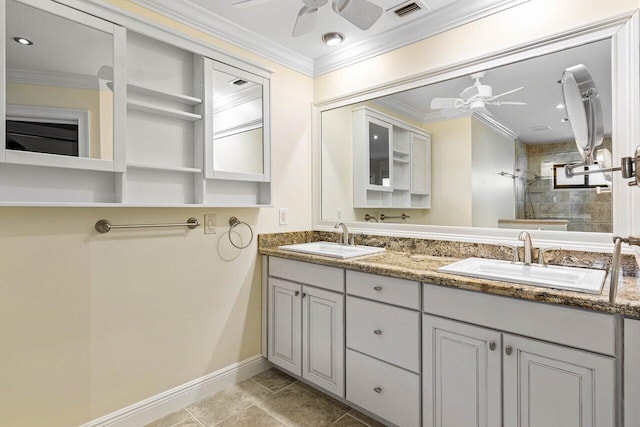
{"x":417,"y":259}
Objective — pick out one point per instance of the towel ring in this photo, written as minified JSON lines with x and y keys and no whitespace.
{"x":234,"y":222}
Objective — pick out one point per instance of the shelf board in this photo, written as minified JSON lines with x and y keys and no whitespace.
{"x":400,"y":152}
{"x":400,"y":189}
{"x":162,"y":167}
{"x":168,"y":96}
{"x":403,"y":161}
{"x":128,"y":205}
{"x":163,"y":111}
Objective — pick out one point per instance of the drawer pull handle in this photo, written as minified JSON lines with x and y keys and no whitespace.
{"x":492,"y":345}
{"x":377,"y":288}
{"x":377,"y":332}
{"x":508,"y":349}
{"x":377,"y":389}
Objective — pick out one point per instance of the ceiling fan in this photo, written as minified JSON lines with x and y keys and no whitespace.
{"x":361,"y":13}
{"x":473,"y":99}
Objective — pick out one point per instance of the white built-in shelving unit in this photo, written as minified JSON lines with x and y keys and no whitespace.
{"x":163,"y":147}
{"x":406,"y":180}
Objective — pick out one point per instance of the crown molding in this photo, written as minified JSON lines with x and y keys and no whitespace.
{"x":47,"y":78}
{"x":433,"y":22}
{"x":496,"y":125}
{"x":400,"y":108}
{"x":195,"y":16}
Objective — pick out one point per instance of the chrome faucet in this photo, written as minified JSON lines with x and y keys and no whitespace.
{"x":528,"y":247}
{"x":345,"y":232}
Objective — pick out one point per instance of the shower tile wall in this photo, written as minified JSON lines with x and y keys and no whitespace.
{"x":583,"y":208}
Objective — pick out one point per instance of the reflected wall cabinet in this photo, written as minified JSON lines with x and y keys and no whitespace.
{"x":133,"y":116}
{"x":391,"y":162}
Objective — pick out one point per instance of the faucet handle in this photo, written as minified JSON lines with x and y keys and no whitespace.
{"x":516,"y":257}
{"x":542,"y":251}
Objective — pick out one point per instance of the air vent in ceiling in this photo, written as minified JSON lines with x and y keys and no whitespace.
{"x":540,"y":128}
{"x":404,"y":10}
{"x":238,"y":82}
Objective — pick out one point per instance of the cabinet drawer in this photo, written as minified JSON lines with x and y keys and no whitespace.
{"x":330,"y":278}
{"x":387,"y":391}
{"x":385,"y":332}
{"x":386,"y":289}
{"x":568,"y":326}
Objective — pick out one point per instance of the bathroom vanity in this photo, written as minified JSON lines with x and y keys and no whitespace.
{"x":426,"y":348}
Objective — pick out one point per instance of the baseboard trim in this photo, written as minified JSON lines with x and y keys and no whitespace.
{"x":164,"y":403}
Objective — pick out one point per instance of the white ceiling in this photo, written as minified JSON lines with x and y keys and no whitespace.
{"x":266,"y":28}
{"x":541,"y":92}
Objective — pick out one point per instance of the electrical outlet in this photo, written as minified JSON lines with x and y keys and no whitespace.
{"x":283,"y":216}
{"x":338,"y":214}
{"x":210,"y":224}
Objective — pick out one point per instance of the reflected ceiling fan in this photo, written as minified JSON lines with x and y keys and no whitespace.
{"x":361,"y":13}
{"x":473,"y":99}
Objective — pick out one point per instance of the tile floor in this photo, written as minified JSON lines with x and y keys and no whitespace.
{"x":271,"y":398}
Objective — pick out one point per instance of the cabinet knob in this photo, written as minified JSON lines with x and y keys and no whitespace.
{"x":377,"y":332}
{"x":508,"y":349}
{"x":297,"y":293}
{"x":304,"y":294}
{"x":492,"y":345}
{"x":377,"y":288}
{"x":377,"y":389}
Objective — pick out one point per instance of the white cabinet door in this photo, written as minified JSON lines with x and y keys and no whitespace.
{"x":461,"y":375}
{"x":631,"y":373}
{"x":285,"y":325}
{"x":323,"y":339}
{"x":548,"y":385}
{"x":420,"y":164}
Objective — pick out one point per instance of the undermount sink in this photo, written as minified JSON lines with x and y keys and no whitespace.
{"x":334,"y":250}
{"x":558,"y":277}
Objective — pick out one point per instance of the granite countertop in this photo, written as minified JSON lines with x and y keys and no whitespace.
{"x":423,"y":268}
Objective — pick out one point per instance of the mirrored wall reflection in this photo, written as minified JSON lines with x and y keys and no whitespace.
{"x":56,"y":103}
{"x":497,"y":137}
{"x":237,"y":124}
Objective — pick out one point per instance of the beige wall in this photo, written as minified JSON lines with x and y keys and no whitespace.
{"x":92,"y":323}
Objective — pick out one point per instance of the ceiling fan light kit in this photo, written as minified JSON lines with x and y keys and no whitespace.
{"x":473,"y":99}
{"x":333,"y":38}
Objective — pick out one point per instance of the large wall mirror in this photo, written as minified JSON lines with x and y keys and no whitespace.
{"x":59,"y":85}
{"x":496,"y":164}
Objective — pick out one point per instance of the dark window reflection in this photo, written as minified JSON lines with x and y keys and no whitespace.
{"x":42,"y":137}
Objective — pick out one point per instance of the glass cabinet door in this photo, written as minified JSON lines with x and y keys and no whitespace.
{"x":380,"y":143}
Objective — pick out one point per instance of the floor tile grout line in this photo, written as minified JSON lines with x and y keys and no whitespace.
{"x":275,"y":416}
{"x":341,"y":417}
{"x":264,"y":386}
{"x":194,"y":417}
{"x":358,"y":420}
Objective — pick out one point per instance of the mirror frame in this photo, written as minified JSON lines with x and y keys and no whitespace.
{"x":117,"y":164}
{"x":209,"y":150}
{"x":624,"y":32}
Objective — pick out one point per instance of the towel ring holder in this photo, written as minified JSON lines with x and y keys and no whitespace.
{"x":234,"y":222}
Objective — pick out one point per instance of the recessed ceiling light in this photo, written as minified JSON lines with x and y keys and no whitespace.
{"x":22,"y":41}
{"x":559,"y":106}
{"x":332,"y":38}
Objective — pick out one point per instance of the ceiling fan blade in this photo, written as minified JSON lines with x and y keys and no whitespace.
{"x":505,"y":93}
{"x":361,"y":13}
{"x":248,"y":3}
{"x":505,"y":103}
{"x":445,"y":103}
{"x":306,"y":21}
